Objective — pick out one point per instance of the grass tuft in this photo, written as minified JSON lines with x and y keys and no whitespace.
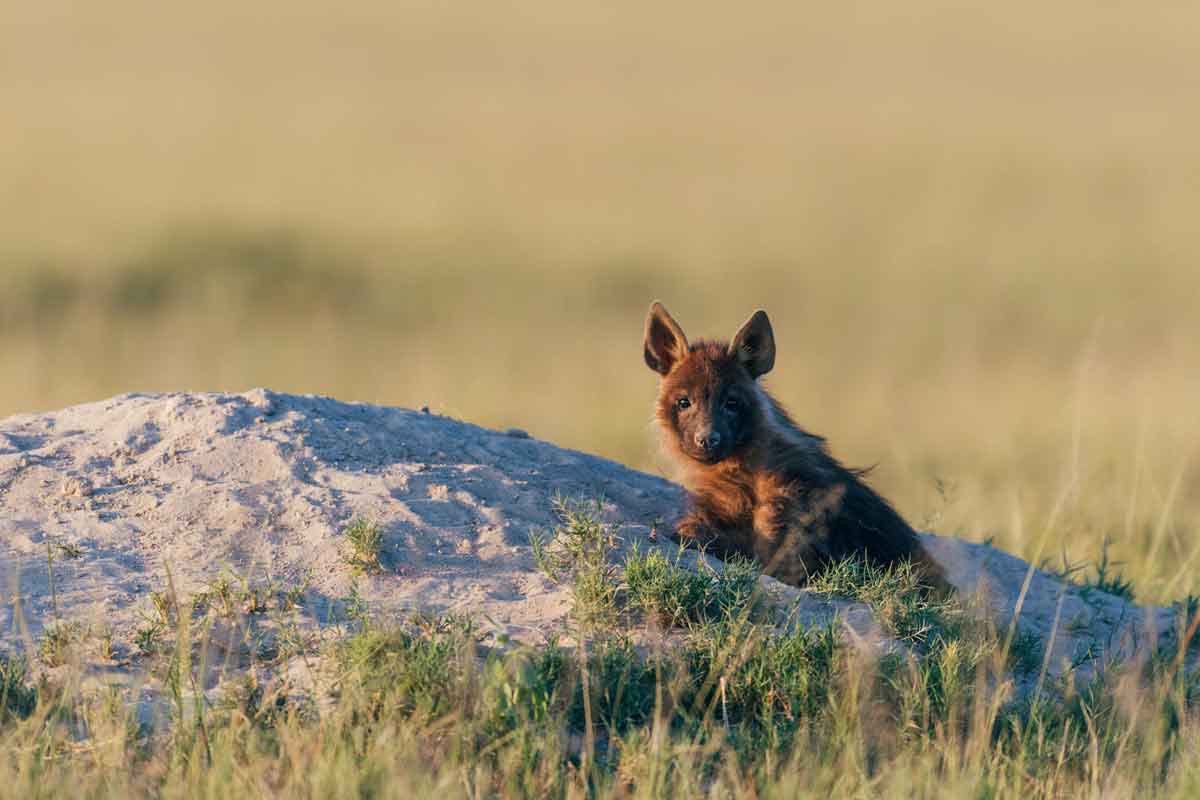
{"x":727,"y":702}
{"x":895,"y":593}
{"x":580,"y":550}
{"x":17,"y":697}
{"x":364,"y":540}
{"x":673,"y":595}
{"x":1107,"y":578}
{"x":58,"y":642}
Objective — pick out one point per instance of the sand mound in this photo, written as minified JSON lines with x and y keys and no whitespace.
{"x":263,"y":486}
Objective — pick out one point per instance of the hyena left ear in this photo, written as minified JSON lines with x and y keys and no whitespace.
{"x":754,"y":344}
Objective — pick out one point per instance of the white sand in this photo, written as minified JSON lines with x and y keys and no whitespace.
{"x":263,"y":484}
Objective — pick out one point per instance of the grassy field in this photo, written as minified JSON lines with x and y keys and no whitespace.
{"x":666,"y":682}
{"x":974,"y":230}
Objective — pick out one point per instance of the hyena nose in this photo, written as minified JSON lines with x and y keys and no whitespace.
{"x":708,"y":441}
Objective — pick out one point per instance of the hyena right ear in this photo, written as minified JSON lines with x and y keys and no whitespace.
{"x":665,"y":343}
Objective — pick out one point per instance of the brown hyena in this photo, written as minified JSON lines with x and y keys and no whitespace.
{"x":760,"y":485}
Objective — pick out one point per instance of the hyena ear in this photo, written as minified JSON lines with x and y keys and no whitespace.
{"x":665,"y":343}
{"x":754,"y":344}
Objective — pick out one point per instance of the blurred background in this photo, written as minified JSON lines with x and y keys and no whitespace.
{"x":975,"y":230}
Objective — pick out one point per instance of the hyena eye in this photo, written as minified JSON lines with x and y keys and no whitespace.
{"x":683,"y":402}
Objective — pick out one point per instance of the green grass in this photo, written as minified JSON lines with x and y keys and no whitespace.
{"x":579,"y":551}
{"x":733,"y":697}
{"x":1103,"y":575}
{"x":148,"y":637}
{"x":895,"y":594}
{"x":17,"y":697}
{"x":734,"y":706}
{"x":58,"y":641}
{"x":71,"y":550}
{"x":1108,"y":579}
{"x":673,"y":595}
{"x":364,"y":545}
{"x":954,"y":648}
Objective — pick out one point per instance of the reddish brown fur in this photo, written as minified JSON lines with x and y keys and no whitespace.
{"x":761,"y":486}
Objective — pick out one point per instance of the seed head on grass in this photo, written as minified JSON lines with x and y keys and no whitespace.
{"x":364,"y":540}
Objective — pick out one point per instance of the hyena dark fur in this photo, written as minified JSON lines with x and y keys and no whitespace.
{"x":760,"y":485}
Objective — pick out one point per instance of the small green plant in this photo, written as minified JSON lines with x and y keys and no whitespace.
{"x":521,"y":689}
{"x":612,"y":687}
{"x":249,"y":698}
{"x":356,"y":609}
{"x":289,"y":597}
{"x":58,"y":641}
{"x":254,"y":598}
{"x":221,"y":593}
{"x":663,"y":590}
{"x":166,"y":609}
{"x":104,"y":637}
{"x":200,"y":602}
{"x":579,"y":550}
{"x":17,"y":697}
{"x":749,"y":674}
{"x":364,"y":540}
{"x":896,"y":595}
{"x":289,"y":641}
{"x":148,"y":637}
{"x":230,"y":596}
{"x":69,"y":550}
{"x":674,"y":595}
{"x":539,"y":546}
{"x":401,"y":669}
{"x":1025,"y":652}
{"x":1107,"y":578}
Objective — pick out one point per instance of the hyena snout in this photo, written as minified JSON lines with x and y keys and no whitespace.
{"x":708,"y":441}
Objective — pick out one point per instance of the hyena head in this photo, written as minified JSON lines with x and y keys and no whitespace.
{"x":709,"y":403}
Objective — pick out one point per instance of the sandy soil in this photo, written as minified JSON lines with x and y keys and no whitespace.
{"x":262,"y":486}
